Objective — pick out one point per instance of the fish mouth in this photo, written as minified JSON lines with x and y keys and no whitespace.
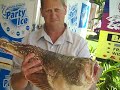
{"x":96,"y":67}
{"x":97,"y":71}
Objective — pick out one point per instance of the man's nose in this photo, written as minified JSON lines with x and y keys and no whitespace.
{"x":53,"y":14}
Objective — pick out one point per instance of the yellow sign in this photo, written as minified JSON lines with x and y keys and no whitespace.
{"x":109,"y":45}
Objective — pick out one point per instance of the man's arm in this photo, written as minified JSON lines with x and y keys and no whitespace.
{"x":32,"y":72}
{"x":83,"y":50}
{"x":18,"y":81}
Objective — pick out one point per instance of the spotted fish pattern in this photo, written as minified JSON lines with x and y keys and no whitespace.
{"x":64,"y":72}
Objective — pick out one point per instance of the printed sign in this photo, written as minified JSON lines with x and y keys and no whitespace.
{"x":109,"y":39}
{"x":5,"y":80}
{"x":109,"y":45}
{"x":84,"y":15}
{"x":72,"y":16}
{"x":16,"y":19}
{"x":111,"y":16}
{"x":77,"y":16}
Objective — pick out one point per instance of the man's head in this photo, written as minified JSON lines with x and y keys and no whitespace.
{"x":63,"y":2}
{"x":53,"y":11}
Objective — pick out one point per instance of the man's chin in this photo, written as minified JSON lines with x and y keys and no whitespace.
{"x":54,"y":23}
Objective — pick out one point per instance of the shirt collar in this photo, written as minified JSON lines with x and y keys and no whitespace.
{"x":66,"y":36}
{"x":43,"y":34}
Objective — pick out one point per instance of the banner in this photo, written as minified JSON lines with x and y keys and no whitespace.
{"x":16,"y":19}
{"x":111,"y":16}
{"x":109,"y":39}
{"x":78,"y":16}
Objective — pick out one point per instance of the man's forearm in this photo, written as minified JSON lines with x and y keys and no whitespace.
{"x":18,"y":81}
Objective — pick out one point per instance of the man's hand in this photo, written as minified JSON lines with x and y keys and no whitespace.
{"x":34,"y":73}
{"x":31,"y":65}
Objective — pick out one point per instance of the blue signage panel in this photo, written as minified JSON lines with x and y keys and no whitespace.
{"x":14,"y":26}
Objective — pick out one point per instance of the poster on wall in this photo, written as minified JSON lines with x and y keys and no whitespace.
{"x":16,"y":19}
{"x":109,"y":39}
{"x":111,"y":16}
{"x":78,"y":16}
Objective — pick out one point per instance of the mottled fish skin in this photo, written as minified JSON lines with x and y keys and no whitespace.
{"x":73,"y":70}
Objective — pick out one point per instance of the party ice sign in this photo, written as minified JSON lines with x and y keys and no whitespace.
{"x":109,"y":39}
{"x":16,"y":19}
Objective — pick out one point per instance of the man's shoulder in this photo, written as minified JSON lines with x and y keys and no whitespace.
{"x":32,"y":36}
{"x":77,"y":36}
{"x":36,"y":33}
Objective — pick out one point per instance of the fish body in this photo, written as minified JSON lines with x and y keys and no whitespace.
{"x":63,"y":72}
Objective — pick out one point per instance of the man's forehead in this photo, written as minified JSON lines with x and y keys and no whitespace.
{"x":52,"y":4}
{"x":52,"y":1}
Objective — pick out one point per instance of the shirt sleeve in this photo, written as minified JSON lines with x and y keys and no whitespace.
{"x":16,"y":65}
{"x":83,"y":49}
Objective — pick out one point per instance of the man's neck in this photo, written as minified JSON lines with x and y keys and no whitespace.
{"x":55,"y":32}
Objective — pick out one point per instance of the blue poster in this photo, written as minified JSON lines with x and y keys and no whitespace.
{"x":14,"y":20}
{"x":4,"y":79}
{"x":72,"y":16}
{"x":84,"y":15}
{"x":78,"y":16}
{"x":14,"y":26}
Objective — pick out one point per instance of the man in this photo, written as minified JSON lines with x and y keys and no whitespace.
{"x":53,"y":36}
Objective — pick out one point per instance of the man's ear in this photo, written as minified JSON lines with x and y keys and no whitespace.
{"x":65,"y":7}
{"x":41,"y":11}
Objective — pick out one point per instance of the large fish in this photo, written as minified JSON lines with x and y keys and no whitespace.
{"x":63,"y":72}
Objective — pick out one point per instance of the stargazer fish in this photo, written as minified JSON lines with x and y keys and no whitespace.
{"x":63,"y":72}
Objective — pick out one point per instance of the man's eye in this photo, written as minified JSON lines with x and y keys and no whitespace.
{"x":48,"y":11}
{"x":57,"y":10}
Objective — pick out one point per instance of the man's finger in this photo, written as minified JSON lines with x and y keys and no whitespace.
{"x":28,"y":57}
{"x":33,"y":63}
{"x":33,"y":70}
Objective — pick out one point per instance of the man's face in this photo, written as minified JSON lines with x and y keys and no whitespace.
{"x":53,"y":12}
